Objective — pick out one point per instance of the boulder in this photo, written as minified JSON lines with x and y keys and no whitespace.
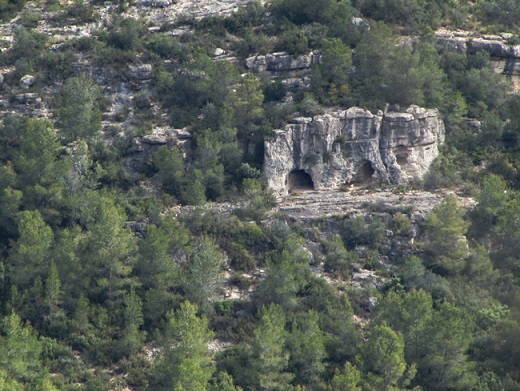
{"x":30,"y":97}
{"x":358,"y":22}
{"x":27,"y":80}
{"x":162,"y":136}
{"x":141,"y":72}
{"x":154,"y":3}
{"x":352,"y":146}
{"x":158,"y":137}
{"x":219,"y":52}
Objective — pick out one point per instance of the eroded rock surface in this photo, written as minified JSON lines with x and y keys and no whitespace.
{"x":462,"y":41}
{"x":276,"y":62}
{"x":353,"y":146}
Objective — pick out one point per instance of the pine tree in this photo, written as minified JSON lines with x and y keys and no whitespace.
{"x":270,"y":357}
{"x":446,"y":244}
{"x":29,"y":254}
{"x":409,"y":314}
{"x":185,"y":362}
{"x":446,"y":364}
{"x":203,"y":274}
{"x":35,"y":160}
{"x":10,"y":201}
{"x":348,"y":379}
{"x":133,"y":337}
{"x":383,"y":357}
{"x":78,"y":114}
{"x":109,"y":253}
{"x":307,"y":349}
{"x":19,"y":349}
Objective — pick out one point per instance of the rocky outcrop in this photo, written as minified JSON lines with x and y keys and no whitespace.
{"x":146,"y":145}
{"x":276,"y":62}
{"x":352,"y":146}
{"x":164,"y":136}
{"x":463,"y":41}
{"x":505,"y":57}
{"x":155,"y":3}
{"x":27,"y":81}
{"x":141,"y":72}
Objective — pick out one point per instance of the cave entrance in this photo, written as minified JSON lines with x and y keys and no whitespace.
{"x":401,"y":155}
{"x":300,"y":180}
{"x":364,"y":173}
{"x":402,"y":159}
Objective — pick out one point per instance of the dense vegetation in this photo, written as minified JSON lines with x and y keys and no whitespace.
{"x":88,"y":303}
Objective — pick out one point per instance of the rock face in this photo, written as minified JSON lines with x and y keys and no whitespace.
{"x":462,"y":41}
{"x":141,"y":72}
{"x":276,"y":62}
{"x":352,"y":147}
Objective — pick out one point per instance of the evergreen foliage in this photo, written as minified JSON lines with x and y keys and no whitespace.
{"x":114,"y":272}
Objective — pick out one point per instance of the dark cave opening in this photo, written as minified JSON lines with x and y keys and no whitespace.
{"x":402,"y":159}
{"x":401,"y":155}
{"x":300,"y":180}
{"x":364,"y":173}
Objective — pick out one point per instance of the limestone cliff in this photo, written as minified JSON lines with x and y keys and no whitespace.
{"x":352,"y":146}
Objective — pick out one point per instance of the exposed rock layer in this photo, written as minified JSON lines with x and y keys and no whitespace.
{"x":353,"y":147}
{"x":505,"y":57}
{"x":282,"y":62}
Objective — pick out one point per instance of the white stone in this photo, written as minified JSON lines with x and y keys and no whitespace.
{"x":354,"y":146}
{"x":28,"y":80}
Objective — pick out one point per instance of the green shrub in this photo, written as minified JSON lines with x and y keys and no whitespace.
{"x":167,"y":46}
{"x":239,"y":280}
{"x":138,"y":367}
{"x":82,"y":12}
{"x":9,"y":7}
{"x":274,"y":91}
{"x":401,"y":224}
{"x":293,"y":41}
{"x":30,"y":19}
{"x":338,"y":260}
{"x":356,"y":231}
{"x":126,"y":35}
{"x":224,"y":307}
